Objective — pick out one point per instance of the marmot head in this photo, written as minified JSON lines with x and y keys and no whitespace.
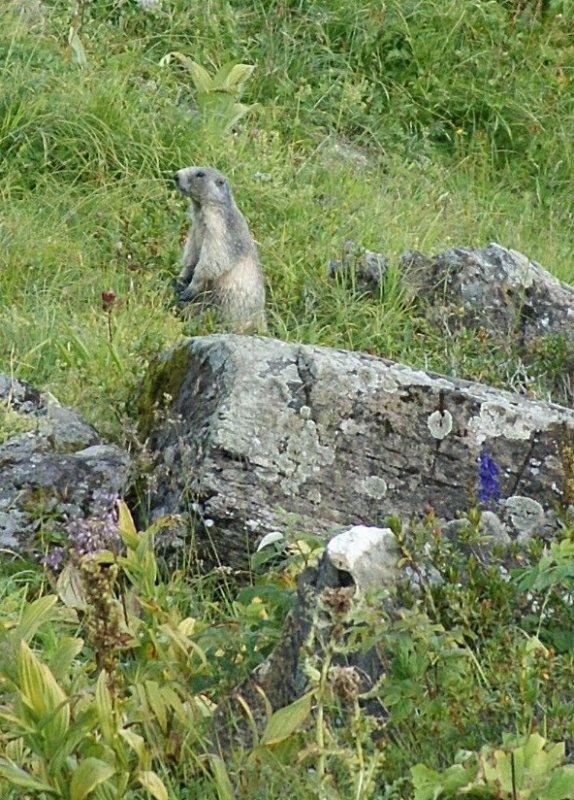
{"x":205,"y":185}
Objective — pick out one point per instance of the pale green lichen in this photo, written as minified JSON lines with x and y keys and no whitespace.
{"x":440,"y":424}
{"x":373,"y":486}
{"x":511,"y":420}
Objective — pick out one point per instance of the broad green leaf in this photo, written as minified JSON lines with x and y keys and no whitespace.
{"x":430,"y":784}
{"x":187,"y":626}
{"x":561,"y":784}
{"x":153,"y":783}
{"x":498,"y":770}
{"x":149,"y":572}
{"x":287,"y":720}
{"x":105,"y":709}
{"x":200,"y":76}
{"x":116,"y":357}
{"x":136,"y":743}
{"x":22,"y":725}
{"x":222,"y":781}
{"x":81,"y":732}
{"x":42,"y":694}
{"x":126,"y":526}
{"x":239,"y":111}
{"x":88,"y":774}
{"x":15,"y":750}
{"x":232,"y":77}
{"x":77,"y":48}
{"x":160,"y":523}
{"x":238,"y":77}
{"x":173,"y":700}
{"x":34,"y":615}
{"x":183,"y":643}
{"x":427,"y":783}
{"x":68,"y":649}
{"x":156,"y":703}
{"x":458,"y":777}
{"x":70,"y":588}
{"x":168,"y":58}
{"x":19,"y":777}
{"x":544,"y":761}
{"x":105,"y":557}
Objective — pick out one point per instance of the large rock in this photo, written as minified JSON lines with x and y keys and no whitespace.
{"x":496,"y":288}
{"x":251,"y":435}
{"x":54,"y":467}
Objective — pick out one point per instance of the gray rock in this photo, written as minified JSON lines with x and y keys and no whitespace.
{"x":359,"y":269}
{"x":498,"y":289}
{"x":491,"y":287}
{"x":251,"y":435}
{"x":54,"y":467}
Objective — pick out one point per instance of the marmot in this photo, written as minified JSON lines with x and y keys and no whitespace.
{"x":220,"y":262}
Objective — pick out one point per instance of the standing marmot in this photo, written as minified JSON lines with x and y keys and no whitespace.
{"x":220,"y":260}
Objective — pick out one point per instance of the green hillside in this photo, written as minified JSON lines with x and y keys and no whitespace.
{"x":399,"y":125}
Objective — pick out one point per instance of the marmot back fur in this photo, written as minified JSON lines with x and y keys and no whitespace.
{"x":220,"y":262}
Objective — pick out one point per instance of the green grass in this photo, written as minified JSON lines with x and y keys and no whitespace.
{"x":87,"y":154}
{"x":457,"y":120}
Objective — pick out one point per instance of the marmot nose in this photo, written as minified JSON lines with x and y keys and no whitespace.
{"x":176,"y":178}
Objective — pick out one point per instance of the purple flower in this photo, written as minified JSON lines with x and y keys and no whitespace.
{"x":55,"y":558}
{"x":488,"y":477}
{"x":98,"y":532}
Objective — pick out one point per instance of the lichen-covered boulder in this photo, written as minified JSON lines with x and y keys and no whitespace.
{"x":496,"y":288}
{"x":54,"y":467}
{"x":251,"y":435}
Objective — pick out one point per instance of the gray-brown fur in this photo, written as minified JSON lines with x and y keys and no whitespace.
{"x":219,"y":262}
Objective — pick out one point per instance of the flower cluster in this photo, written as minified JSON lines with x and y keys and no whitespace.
{"x":88,"y":536}
{"x":488,"y":477}
{"x":108,"y":299}
{"x":345,"y":682}
{"x":55,"y":559}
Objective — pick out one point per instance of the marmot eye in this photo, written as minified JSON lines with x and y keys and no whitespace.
{"x":200,"y":174}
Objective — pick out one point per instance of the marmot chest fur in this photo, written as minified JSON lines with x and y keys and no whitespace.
{"x":219,"y":261}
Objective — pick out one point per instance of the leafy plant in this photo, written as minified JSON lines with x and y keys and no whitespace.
{"x":530,"y":769}
{"x":216,"y":96}
{"x":550,"y":583}
{"x":94,"y":738}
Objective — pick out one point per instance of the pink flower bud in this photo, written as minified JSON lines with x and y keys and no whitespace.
{"x":108,"y":299}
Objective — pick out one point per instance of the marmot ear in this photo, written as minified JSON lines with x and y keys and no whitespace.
{"x":220,"y":182}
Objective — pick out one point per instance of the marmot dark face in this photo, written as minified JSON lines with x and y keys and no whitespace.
{"x":204,"y":185}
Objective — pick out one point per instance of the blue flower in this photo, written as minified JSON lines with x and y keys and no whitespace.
{"x":488,"y":477}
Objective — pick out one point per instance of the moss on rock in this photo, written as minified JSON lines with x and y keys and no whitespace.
{"x":161,"y":383}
